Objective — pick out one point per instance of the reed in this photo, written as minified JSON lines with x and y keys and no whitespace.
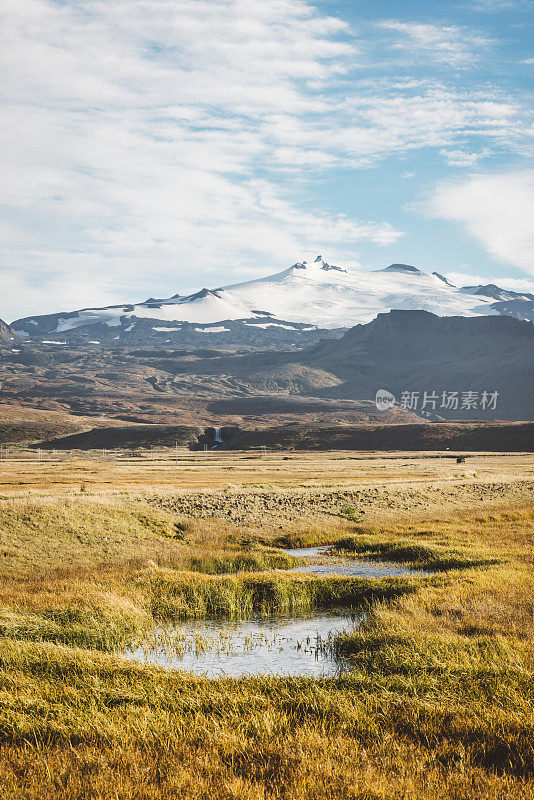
{"x":182,"y":596}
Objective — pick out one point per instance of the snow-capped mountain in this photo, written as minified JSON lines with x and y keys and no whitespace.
{"x":293,"y":306}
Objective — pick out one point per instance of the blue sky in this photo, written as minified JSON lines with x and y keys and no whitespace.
{"x":158,"y":146}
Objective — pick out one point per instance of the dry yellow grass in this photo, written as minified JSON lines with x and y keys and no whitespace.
{"x":440,"y":703}
{"x":215,"y":470}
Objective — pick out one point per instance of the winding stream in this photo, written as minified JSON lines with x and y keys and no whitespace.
{"x":281,"y":645}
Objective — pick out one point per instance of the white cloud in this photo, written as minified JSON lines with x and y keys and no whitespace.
{"x":389,"y":121}
{"x":497,"y":210}
{"x":449,"y":44}
{"x":132,"y":137}
{"x":498,"y":5}
{"x":464,"y":158}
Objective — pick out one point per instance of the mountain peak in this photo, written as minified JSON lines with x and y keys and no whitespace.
{"x":324,"y":265}
{"x":318,"y":263}
{"x":402,"y":268}
{"x":204,"y":293}
{"x":496,"y":292}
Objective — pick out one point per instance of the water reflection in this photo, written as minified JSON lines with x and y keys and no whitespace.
{"x":276,"y":646}
{"x":324,"y":562}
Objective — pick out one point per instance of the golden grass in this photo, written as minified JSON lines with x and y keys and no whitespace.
{"x":440,"y":702}
{"x":197,"y":471}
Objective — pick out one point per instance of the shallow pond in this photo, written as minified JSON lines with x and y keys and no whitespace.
{"x":297,"y":645}
{"x":276,"y":646}
{"x":323,"y":562}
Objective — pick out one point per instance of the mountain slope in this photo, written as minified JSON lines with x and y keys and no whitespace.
{"x":7,"y":334}
{"x":401,"y":351}
{"x":415,"y":351}
{"x":295,"y":307}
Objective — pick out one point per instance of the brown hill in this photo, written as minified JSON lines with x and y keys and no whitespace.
{"x":140,"y":436}
{"x":456,"y":437}
{"x":497,"y":437}
{"x":20,"y":425}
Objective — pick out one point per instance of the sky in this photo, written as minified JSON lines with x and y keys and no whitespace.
{"x":154,"y":147}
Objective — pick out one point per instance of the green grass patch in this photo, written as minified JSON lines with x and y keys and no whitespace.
{"x":74,"y":628}
{"x":180,"y":596}
{"x":351,"y":513}
{"x":242,"y":562}
{"x":418,"y":556}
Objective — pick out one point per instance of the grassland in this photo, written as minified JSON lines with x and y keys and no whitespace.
{"x":439,"y":703}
